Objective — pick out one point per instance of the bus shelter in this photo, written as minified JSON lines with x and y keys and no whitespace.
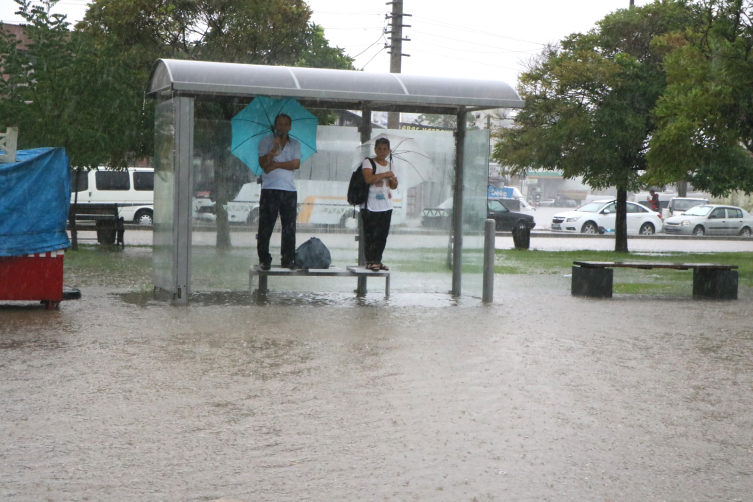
{"x":436,"y":240}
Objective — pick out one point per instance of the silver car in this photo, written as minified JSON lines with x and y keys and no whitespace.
{"x":710,"y":219}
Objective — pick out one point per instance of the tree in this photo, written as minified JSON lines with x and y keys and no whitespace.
{"x":268,"y":32}
{"x":64,"y":91}
{"x":705,"y":117}
{"x":588,"y":103}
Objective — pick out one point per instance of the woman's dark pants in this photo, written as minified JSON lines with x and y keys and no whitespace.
{"x":376,"y":228}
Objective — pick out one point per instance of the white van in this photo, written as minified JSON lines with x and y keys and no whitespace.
{"x":131,"y":189}
{"x":328,"y":205}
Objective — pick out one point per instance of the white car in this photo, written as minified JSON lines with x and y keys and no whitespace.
{"x":712,"y":220}
{"x":599,"y":217}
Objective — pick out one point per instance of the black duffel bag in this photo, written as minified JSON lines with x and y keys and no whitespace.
{"x":313,"y":254}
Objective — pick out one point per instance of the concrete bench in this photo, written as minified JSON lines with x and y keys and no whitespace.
{"x":360,"y":273}
{"x":594,"y":278}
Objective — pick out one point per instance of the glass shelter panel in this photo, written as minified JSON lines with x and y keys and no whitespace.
{"x":418,"y":249}
{"x":475,"y":183}
{"x":163,"y":262}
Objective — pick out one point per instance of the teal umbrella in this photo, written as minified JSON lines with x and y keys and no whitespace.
{"x":256,"y":121}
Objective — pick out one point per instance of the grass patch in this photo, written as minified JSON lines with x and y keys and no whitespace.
{"x":95,"y":265}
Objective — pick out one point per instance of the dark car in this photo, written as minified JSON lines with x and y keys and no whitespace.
{"x":506,"y":219}
{"x":562,"y":201}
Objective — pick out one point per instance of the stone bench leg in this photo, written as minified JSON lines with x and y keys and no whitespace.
{"x":594,"y":282}
{"x":718,"y":284}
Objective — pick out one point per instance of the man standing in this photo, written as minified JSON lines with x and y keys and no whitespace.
{"x":279,"y":156}
{"x":654,"y":198}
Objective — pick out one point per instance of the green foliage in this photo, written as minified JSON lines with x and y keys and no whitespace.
{"x":588,"y":103}
{"x":84,"y":89}
{"x":705,"y":117}
{"x":66,"y":91}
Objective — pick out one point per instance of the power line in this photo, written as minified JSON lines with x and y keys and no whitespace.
{"x":370,"y":60}
{"x":468,"y":42}
{"x":468,"y":60}
{"x":473,"y":52}
{"x":380,"y":14}
{"x":473,"y":30}
{"x":350,"y":28}
{"x":369,"y":47}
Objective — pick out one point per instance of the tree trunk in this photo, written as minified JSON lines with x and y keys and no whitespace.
{"x":682,"y":188}
{"x":72,"y":214}
{"x":620,"y":228}
{"x":224,"y":242}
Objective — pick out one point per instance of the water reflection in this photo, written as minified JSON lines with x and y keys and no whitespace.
{"x":302,"y":299}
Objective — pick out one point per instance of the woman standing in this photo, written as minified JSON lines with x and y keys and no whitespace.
{"x":377,"y":210}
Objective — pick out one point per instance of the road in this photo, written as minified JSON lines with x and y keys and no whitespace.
{"x":541,"y":240}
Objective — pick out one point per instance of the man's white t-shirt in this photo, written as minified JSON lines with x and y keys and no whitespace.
{"x":380,"y":194}
{"x":279,"y":179}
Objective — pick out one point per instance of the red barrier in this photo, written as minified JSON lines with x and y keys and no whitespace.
{"x":33,"y":277}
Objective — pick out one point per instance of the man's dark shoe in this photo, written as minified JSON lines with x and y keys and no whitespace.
{"x":265,"y":266}
{"x":291,"y":265}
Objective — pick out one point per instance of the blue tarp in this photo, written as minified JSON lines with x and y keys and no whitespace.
{"x":35,"y":193}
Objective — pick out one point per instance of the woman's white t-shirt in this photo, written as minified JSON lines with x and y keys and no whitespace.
{"x":380,"y":195}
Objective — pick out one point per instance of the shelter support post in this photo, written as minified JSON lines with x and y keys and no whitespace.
{"x":184,"y":122}
{"x":365,"y":131}
{"x":489,"y":235}
{"x":457,"y":205}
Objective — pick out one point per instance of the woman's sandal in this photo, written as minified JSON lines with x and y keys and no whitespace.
{"x":374,"y":267}
{"x":382,"y":266}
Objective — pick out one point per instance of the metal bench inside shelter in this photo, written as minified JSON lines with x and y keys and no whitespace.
{"x":354,"y":271}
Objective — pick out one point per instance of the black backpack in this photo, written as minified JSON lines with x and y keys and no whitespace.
{"x":358,"y":189}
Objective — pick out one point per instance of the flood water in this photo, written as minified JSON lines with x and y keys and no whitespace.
{"x":121,"y":396}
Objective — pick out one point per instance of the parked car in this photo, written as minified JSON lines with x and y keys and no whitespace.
{"x":546,"y":203}
{"x":132,"y":189}
{"x":562,"y":201}
{"x":441,"y":215}
{"x":243,"y":209}
{"x":710,"y":219}
{"x":506,"y":219}
{"x":438,"y":216}
{"x":598,"y":217}
{"x":681,"y":204}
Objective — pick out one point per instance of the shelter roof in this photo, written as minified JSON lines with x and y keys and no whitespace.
{"x":325,"y":88}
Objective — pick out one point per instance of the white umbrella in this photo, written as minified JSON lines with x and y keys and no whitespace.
{"x":410,"y":163}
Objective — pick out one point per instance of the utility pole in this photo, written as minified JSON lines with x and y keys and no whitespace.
{"x":396,"y":50}
{"x":632,"y":3}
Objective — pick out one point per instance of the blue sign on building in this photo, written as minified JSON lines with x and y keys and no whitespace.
{"x":504,"y":193}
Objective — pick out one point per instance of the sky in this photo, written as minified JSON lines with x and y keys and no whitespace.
{"x":484,"y":39}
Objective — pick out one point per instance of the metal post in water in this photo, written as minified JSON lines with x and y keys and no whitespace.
{"x":489,"y":235}
{"x":365,"y":131}
{"x":361,"y":288}
{"x":457,"y":205}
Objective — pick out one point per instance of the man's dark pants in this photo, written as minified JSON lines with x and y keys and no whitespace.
{"x":272,"y":203}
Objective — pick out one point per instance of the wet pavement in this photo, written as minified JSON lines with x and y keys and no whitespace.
{"x":121,"y":396}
